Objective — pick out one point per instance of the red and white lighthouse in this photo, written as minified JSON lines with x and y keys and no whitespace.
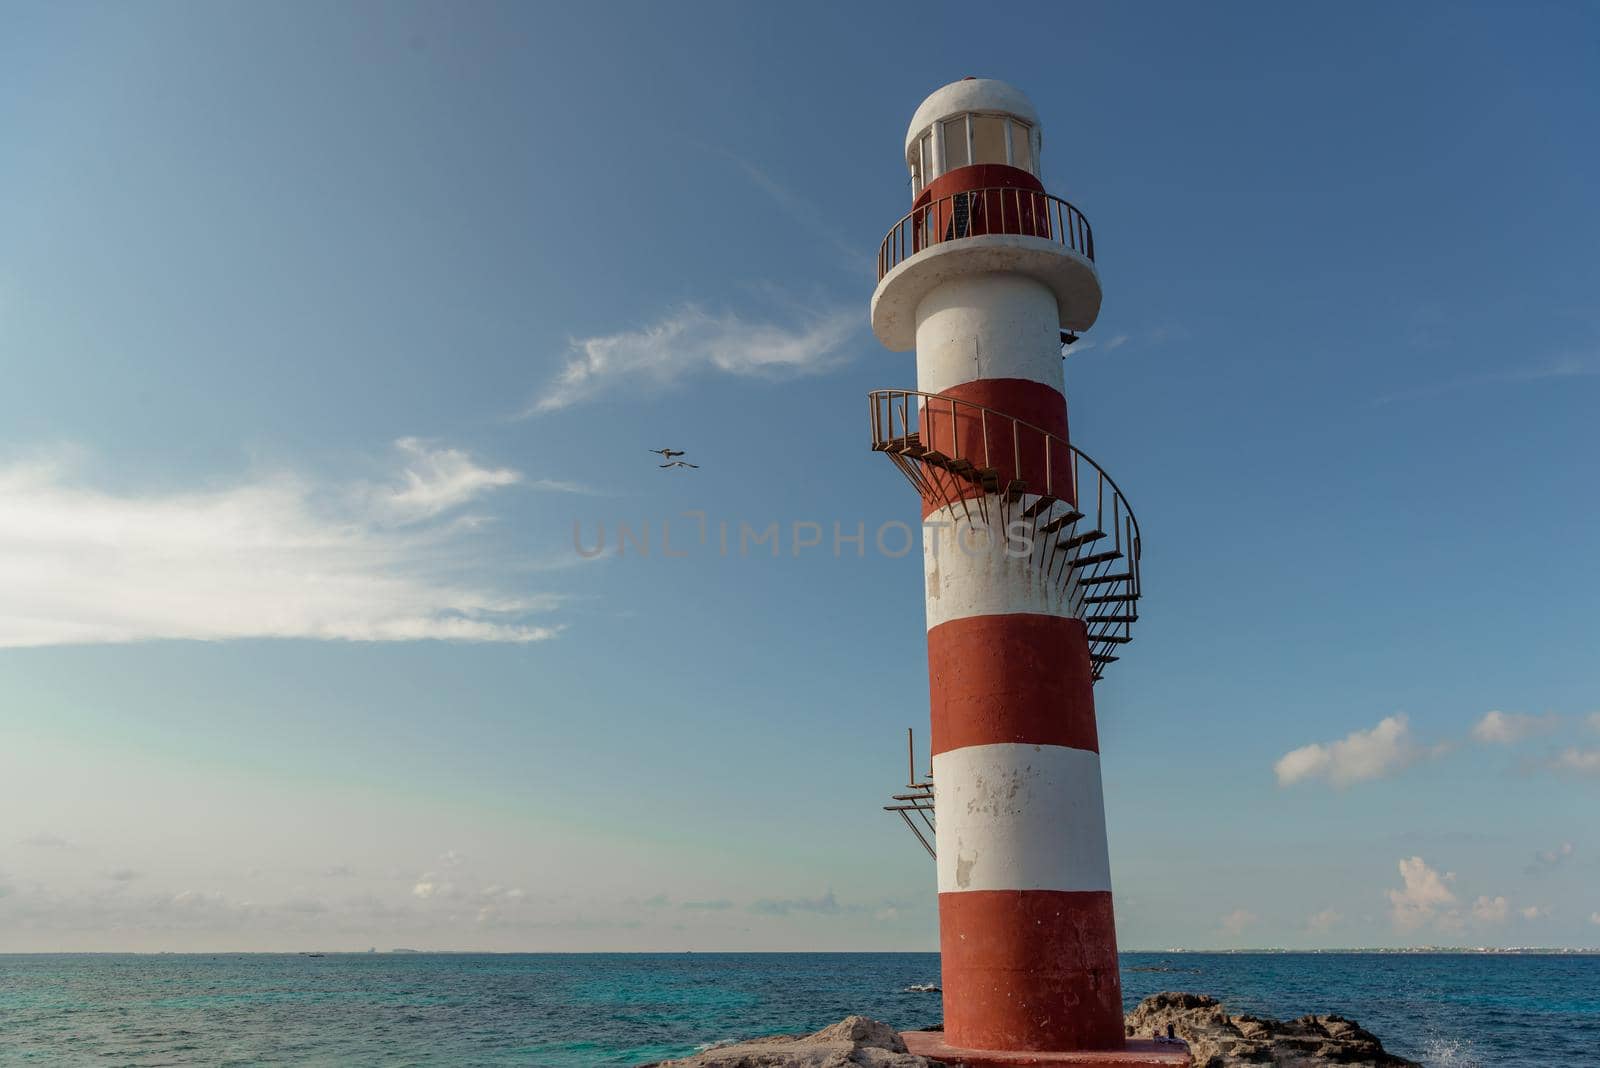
{"x":1031,"y":560}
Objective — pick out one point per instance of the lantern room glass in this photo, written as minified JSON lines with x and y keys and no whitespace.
{"x":955,"y":144}
{"x":989,"y":138}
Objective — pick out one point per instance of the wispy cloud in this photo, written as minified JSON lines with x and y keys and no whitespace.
{"x":46,"y":840}
{"x":826,"y":905}
{"x":1577,"y":761}
{"x":1546,"y":859}
{"x":1324,"y":921}
{"x":1567,"y":367}
{"x":1236,"y":922}
{"x":690,"y":342}
{"x":1090,"y":344}
{"x":1359,"y":756}
{"x":1507,"y":728}
{"x":853,"y":257}
{"x":278,"y":556}
{"x":438,"y":479}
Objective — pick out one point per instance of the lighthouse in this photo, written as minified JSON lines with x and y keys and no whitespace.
{"x":1031,"y":567}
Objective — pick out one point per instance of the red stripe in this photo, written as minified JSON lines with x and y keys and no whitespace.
{"x":988,"y":441}
{"x":1030,"y":970}
{"x":979,"y":176}
{"x":1011,"y":678}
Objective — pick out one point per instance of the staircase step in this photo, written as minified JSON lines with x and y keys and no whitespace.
{"x":1097,"y":558}
{"x":1092,"y":620}
{"x":1111,"y":598}
{"x":1081,"y":539}
{"x":990,"y":478}
{"x":1041,"y":505}
{"x":1104,"y":658}
{"x":1114,"y":639}
{"x":1060,"y":521}
{"x":1101,"y":580}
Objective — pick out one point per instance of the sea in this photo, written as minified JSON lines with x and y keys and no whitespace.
{"x":558,"y":1010}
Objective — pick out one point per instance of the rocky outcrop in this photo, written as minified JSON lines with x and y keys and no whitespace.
{"x":855,"y":1040}
{"x":1218,"y":1039}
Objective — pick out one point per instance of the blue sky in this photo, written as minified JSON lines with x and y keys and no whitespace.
{"x":320,"y":327}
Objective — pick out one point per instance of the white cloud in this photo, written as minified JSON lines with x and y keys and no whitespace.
{"x":438,"y":479}
{"x":1235,"y":922}
{"x":690,"y":342}
{"x":1593,"y":719}
{"x":1491,"y":909}
{"x":1359,"y":756}
{"x":1578,"y":761}
{"x":1534,"y":912}
{"x":428,"y":885}
{"x":1505,"y":728}
{"x":826,"y":905}
{"x":1425,"y":893}
{"x":1594,"y":917}
{"x":1324,"y":921}
{"x":504,"y":894}
{"x":266,"y":557}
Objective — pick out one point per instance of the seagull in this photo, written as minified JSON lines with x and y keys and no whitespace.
{"x":668,"y":453}
{"x":681,"y":463}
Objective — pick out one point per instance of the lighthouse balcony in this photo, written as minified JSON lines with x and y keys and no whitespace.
{"x":973,"y":231}
{"x":1052,"y":507}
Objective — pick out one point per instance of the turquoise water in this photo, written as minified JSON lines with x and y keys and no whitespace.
{"x":559,"y":1010}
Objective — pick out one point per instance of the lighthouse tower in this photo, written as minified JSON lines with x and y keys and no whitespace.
{"x":1031,"y":560}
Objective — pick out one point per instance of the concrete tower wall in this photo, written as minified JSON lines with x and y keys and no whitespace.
{"x":1025,"y":917}
{"x":981,"y":278}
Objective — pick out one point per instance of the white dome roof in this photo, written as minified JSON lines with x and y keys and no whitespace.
{"x":970,"y":94}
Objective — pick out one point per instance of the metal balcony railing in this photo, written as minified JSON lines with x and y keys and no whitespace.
{"x":1083,"y":532}
{"x":978,"y":212}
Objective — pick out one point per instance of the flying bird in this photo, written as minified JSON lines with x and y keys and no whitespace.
{"x":668,"y":453}
{"x":681,"y":463}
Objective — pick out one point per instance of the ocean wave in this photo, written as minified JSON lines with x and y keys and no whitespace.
{"x":718,"y":1044}
{"x":1449,"y":1053}
{"x":923,"y":988}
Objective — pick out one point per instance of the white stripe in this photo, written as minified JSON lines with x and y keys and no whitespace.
{"x":1020,"y":817}
{"x":975,"y":567}
{"x":988,"y":326}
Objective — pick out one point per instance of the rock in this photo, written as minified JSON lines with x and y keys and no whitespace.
{"x":855,"y":1040}
{"x":1218,"y":1040}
